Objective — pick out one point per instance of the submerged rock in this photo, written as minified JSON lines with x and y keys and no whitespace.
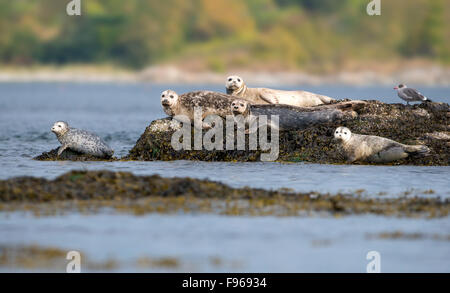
{"x":125,"y":192}
{"x":405,"y":124}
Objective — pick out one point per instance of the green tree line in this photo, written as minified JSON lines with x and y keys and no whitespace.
{"x":218,"y":34}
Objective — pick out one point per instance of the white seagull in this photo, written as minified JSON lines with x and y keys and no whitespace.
{"x":410,"y":95}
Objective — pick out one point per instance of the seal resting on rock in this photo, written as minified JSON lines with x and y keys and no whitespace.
{"x":80,"y":141}
{"x":236,"y":86}
{"x":290,"y":117}
{"x":211,"y":103}
{"x":373,"y":148}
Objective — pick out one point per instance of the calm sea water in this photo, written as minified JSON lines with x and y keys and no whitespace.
{"x":120,"y":113}
{"x":240,"y":244}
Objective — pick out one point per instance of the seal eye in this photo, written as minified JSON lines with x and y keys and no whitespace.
{"x":163,"y":96}
{"x":171,"y":96}
{"x":230,"y":79}
{"x":345,"y":132}
{"x":239,"y":79}
{"x":242,"y":105}
{"x":337,"y":132}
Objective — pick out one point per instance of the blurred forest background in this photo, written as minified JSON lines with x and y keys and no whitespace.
{"x":316,"y":35}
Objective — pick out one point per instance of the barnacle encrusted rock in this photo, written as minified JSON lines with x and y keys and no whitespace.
{"x":426,"y":123}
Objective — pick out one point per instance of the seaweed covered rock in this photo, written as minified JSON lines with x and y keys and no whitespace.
{"x":126,"y":192}
{"x":427,"y":123}
{"x":68,"y":155}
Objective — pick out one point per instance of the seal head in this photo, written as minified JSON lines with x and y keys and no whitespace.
{"x":169,"y":99}
{"x":342,"y":134}
{"x":240,"y":107}
{"x":234,"y":84}
{"x":60,"y":128}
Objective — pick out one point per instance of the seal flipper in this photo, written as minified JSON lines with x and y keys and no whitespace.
{"x":325,"y":99}
{"x":351,"y":159}
{"x":417,"y":149}
{"x":389,"y":154}
{"x":108,"y":153}
{"x":269,"y":98}
{"x":61,"y":149}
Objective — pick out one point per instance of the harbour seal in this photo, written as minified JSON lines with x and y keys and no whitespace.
{"x":409,"y":94}
{"x":184,"y":105}
{"x":290,"y":117}
{"x":236,"y":86}
{"x":373,"y":148}
{"x":80,"y":141}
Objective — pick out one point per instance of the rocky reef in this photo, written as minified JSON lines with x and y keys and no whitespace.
{"x":125,"y":192}
{"x":427,"y":123}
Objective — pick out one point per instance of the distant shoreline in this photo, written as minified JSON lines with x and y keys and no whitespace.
{"x":423,"y":76}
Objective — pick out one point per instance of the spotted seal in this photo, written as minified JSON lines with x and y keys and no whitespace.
{"x":236,"y":86}
{"x":290,"y":117}
{"x":80,"y":141}
{"x":184,"y":105}
{"x":373,"y":148}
